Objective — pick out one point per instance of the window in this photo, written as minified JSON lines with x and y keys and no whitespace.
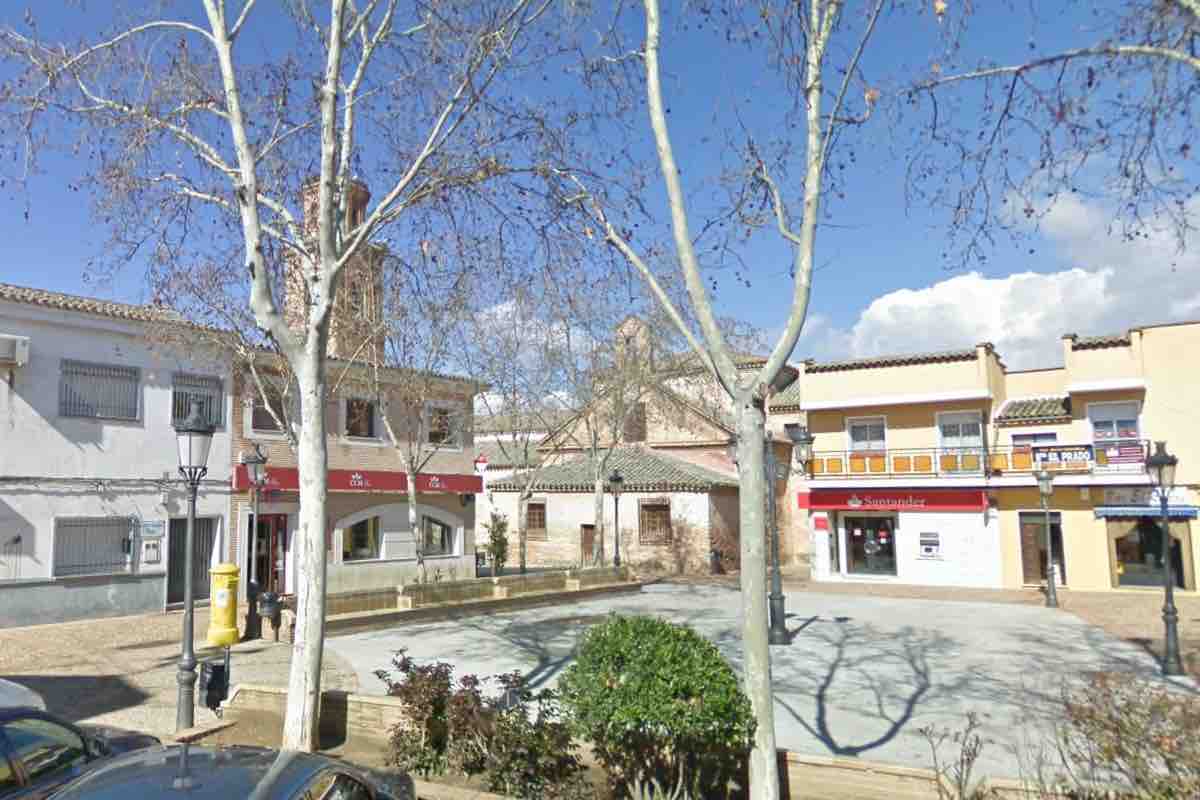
{"x":44,"y":747}
{"x":654,"y":523}
{"x":867,"y":433}
{"x":205,"y":390}
{"x":960,"y":431}
{"x":261,"y":418}
{"x":360,"y":418}
{"x":360,"y":542}
{"x":437,"y":538}
{"x":1114,"y":422}
{"x":92,"y":546}
{"x":441,"y":426}
{"x":871,"y":545}
{"x":1027,"y":440}
{"x":535,"y":521}
{"x":99,"y":391}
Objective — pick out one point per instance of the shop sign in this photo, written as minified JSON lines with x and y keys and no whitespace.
{"x":1142,"y":496}
{"x":1064,"y":457}
{"x":287,"y":479}
{"x":893,"y":500}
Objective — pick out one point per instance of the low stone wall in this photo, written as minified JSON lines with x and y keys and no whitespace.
{"x":348,"y":720}
{"x":510,"y":585}
{"x":599,"y":576}
{"x":354,"y":602}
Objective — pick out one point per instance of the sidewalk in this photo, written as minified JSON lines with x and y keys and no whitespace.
{"x":122,"y":671}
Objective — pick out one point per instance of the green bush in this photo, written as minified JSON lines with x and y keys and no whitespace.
{"x":516,"y":741}
{"x":660,"y":706}
{"x":497,"y":544}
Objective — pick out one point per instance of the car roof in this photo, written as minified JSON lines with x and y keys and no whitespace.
{"x":215,"y":773}
{"x":14,"y":695}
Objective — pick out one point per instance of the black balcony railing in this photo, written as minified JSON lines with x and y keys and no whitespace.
{"x":940,"y":462}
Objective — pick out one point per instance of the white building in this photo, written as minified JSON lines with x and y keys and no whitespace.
{"x":92,"y":509}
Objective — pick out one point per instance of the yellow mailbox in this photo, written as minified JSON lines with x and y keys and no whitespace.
{"x":222,"y":621}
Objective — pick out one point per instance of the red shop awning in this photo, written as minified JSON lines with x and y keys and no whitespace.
{"x":893,"y":500}
{"x":287,"y":479}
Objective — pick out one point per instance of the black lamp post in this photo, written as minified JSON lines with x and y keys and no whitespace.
{"x":256,"y":470}
{"x":615,"y":483}
{"x":1161,"y":467}
{"x":1045,"y":481}
{"x":194,"y":438}
{"x":802,"y":442}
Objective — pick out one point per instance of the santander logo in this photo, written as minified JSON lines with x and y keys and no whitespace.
{"x":900,"y":501}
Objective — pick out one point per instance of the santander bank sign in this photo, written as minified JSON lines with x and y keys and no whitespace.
{"x":893,"y":500}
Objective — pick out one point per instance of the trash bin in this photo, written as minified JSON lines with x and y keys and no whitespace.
{"x":214,"y":684}
{"x":222,"y":621}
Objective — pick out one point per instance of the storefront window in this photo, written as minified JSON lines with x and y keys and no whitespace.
{"x":1139,"y":553}
{"x":361,"y":540}
{"x":871,"y":545}
{"x":437,"y":538}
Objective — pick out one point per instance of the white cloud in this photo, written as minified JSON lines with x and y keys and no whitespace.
{"x":1113,"y":284}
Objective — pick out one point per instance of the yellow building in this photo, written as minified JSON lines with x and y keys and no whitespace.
{"x":924,"y":466}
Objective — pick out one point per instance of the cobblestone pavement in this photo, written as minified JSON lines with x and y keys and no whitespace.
{"x":122,"y":671}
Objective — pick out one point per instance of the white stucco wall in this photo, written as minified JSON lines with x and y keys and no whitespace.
{"x":53,"y":467}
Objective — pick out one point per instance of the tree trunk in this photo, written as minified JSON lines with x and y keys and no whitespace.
{"x":764,"y":768}
{"x":410,"y":478}
{"x":304,"y":682}
{"x":598,"y":542}
{"x":522,"y":521}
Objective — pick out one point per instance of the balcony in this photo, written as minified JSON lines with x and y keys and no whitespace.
{"x":935,"y":462}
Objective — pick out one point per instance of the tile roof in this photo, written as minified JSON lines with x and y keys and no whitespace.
{"x":1035,"y":409}
{"x":1097,"y":342}
{"x":789,"y":398}
{"x":644,"y":470}
{"x":891,"y":361}
{"x":86,"y":305}
{"x":502,"y":455}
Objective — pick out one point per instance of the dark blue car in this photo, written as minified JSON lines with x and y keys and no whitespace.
{"x":224,"y":773}
{"x":40,"y":752}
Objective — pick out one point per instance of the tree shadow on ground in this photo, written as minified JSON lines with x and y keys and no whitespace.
{"x":848,"y":667}
{"x":81,"y":697}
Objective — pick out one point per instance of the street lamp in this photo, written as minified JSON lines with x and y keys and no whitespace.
{"x":802,"y":444}
{"x":194,"y":438}
{"x":1161,"y":467}
{"x":615,"y":483}
{"x":256,"y":470}
{"x":1045,"y":481}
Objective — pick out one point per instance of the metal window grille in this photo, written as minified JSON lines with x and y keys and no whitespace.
{"x":204,"y":389}
{"x":441,"y":426}
{"x":92,"y":546}
{"x":654,"y":523}
{"x":260,"y":416}
{"x":99,"y":391}
{"x":535,"y":521}
{"x":360,"y":418}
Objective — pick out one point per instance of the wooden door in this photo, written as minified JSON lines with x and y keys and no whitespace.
{"x":587,"y":543}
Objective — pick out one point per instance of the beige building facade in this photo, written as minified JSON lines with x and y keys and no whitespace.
{"x":923,"y":468}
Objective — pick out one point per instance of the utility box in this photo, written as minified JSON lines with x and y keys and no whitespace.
{"x":214,"y":684}
{"x":222,"y":621}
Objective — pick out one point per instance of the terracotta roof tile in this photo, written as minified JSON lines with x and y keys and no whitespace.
{"x":891,"y":361}
{"x":86,"y":305}
{"x":1097,"y":342}
{"x":644,"y":470}
{"x":1035,"y":409}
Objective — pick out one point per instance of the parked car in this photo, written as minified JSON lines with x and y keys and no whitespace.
{"x":220,"y":773}
{"x":40,"y":752}
{"x":13,"y":695}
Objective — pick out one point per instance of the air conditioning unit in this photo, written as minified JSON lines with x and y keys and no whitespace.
{"x":14,"y":350}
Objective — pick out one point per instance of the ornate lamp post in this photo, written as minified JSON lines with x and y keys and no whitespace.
{"x":194,"y":438}
{"x":256,"y":469}
{"x":1161,"y":467}
{"x":616,"y":482}
{"x":1045,"y":481}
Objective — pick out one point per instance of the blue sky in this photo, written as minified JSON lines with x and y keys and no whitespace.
{"x":881,"y":285}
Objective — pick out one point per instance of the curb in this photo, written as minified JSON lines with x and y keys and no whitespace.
{"x":373,"y":620}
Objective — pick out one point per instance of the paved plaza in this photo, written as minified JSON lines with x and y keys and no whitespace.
{"x":861,"y":675}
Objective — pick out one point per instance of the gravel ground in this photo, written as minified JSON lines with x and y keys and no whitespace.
{"x":122,"y":671}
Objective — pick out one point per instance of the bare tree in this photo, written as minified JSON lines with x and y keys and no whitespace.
{"x":804,"y":32}
{"x":196,"y":148}
{"x":1112,"y":119}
